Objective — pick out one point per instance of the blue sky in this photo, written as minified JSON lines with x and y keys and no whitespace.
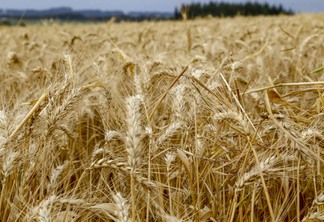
{"x":147,"y":5}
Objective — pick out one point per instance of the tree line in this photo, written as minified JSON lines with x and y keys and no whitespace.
{"x":193,"y":10}
{"x":222,"y":9}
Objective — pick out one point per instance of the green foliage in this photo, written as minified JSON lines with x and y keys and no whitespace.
{"x":223,"y":9}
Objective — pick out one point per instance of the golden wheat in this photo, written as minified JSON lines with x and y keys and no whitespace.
{"x":203,"y":120}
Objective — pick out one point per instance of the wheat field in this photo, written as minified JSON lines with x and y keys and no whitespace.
{"x":204,"y":120}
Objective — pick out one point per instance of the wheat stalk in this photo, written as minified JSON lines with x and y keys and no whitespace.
{"x":134,"y":122}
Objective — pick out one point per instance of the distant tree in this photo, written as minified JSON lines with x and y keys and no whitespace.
{"x":229,"y":9}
